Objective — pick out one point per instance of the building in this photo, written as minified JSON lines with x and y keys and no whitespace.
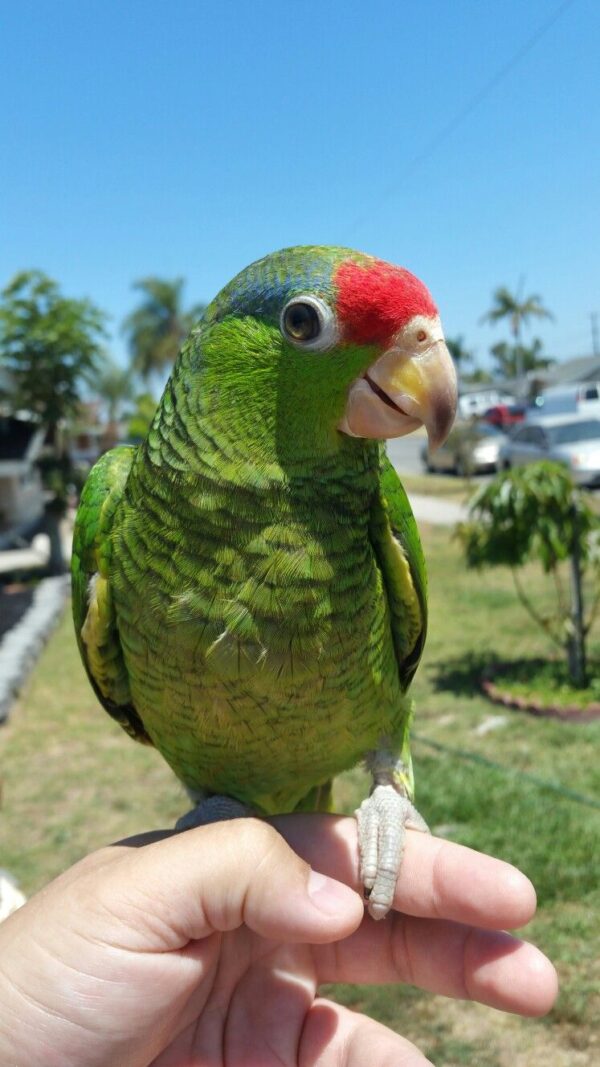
{"x":570,"y":371}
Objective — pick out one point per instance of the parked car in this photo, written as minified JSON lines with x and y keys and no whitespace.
{"x":503,"y":415}
{"x":569,"y":439}
{"x":471,"y":448}
{"x":475,"y":403}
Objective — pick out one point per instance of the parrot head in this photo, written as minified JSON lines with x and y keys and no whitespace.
{"x":335,"y":344}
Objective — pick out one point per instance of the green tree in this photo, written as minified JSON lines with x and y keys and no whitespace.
{"x":139,"y":420}
{"x":518,"y":310}
{"x":113,"y":384}
{"x":157,"y":327}
{"x":536,"y":513}
{"x":49,"y":346}
{"x":459,"y":352}
{"x":515,"y":360}
{"x":477,"y":376}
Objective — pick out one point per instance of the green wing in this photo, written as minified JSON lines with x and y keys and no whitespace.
{"x":93,"y":610}
{"x":397,"y":546}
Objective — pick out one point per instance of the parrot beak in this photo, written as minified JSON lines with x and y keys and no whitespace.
{"x":412,"y":384}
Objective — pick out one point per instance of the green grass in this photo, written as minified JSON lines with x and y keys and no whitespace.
{"x":499,"y":782}
{"x":444,"y":485}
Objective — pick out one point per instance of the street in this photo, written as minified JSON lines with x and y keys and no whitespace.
{"x":405,"y":452}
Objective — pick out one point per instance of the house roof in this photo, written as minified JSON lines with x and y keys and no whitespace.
{"x":580,"y":369}
{"x":567,"y":372}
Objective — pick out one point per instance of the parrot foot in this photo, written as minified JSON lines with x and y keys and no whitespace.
{"x":213,"y":809}
{"x":382,"y":821}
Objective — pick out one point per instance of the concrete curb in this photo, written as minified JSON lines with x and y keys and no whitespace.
{"x":21,"y":646}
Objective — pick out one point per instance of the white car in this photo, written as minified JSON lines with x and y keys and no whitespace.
{"x":568,"y":439}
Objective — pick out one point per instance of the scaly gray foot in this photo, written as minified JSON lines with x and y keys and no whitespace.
{"x":213,"y":809}
{"x":382,"y":821}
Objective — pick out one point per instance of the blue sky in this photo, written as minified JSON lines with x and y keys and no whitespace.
{"x":188,"y":138}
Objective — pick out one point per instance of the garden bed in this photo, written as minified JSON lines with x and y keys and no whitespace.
{"x":542,"y":688}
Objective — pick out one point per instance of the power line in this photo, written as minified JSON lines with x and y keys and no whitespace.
{"x":433,"y":144}
{"x":595,"y":340}
{"x":541,"y":783}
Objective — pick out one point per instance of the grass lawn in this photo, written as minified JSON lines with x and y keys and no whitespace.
{"x":497,"y":780}
{"x":451,"y":487}
{"x":442,"y":485}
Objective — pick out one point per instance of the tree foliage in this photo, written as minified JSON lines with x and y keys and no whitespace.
{"x":512,"y":360}
{"x":459,"y":351}
{"x":49,"y":345}
{"x":140,"y":419}
{"x":516,"y":308}
{"x":157,"y":327}
{"x":114,"y":386}
{"x":516,"y":359}
{"x":535,"y":513}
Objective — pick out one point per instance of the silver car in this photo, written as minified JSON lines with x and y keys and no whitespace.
{"x":471,"y":448}
{"x":568,"y":439}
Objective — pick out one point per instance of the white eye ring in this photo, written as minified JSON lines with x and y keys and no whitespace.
{"x":323,"y":321}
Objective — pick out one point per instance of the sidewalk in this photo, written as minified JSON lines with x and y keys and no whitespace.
{"x":439,"y":512}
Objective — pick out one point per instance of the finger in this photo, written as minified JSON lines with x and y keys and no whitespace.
{"x":333,"y":1036}
{"x":214,"y":878}
{"x":438,"y":879}
{"x":444,"y":957}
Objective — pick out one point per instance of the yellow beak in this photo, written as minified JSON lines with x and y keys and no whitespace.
{"x":412,"y":384}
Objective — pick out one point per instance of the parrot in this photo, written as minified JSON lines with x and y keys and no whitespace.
{"x":248,"y":585}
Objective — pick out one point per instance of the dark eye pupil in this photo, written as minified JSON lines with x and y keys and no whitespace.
{"x":301,"y":322}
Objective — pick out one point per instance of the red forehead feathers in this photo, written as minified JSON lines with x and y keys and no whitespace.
{"x":375,"y":300}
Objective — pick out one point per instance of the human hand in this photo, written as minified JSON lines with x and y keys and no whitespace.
{"x":207,"y":948}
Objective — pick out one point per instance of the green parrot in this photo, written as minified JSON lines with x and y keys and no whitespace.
{"x":249,"y":590}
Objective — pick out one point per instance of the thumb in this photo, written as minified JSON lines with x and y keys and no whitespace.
{"x":216,"y":878}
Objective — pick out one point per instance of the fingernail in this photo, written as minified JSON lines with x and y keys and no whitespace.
{"x":328,"y":895}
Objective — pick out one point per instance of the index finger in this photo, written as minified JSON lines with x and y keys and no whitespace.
{"x":438,"y":879}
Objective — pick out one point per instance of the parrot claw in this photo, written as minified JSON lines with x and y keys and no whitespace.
{"x":213,"y":809}
{"x":383,"y":818}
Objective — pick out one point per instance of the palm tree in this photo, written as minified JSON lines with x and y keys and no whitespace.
{"x":158,"y":325}
{"x":114,"y":385}
{"x":515,"y":359}
{"x":518,"y":310}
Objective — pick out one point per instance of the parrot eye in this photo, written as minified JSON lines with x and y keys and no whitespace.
{"x":301,"y":322}
{"x":308,"y":323}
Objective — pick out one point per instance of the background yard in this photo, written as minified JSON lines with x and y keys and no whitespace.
{"x":494,"y":779}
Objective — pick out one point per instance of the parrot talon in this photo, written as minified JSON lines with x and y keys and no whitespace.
{"x":213,"y":809}
{"x":382,"y":822}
